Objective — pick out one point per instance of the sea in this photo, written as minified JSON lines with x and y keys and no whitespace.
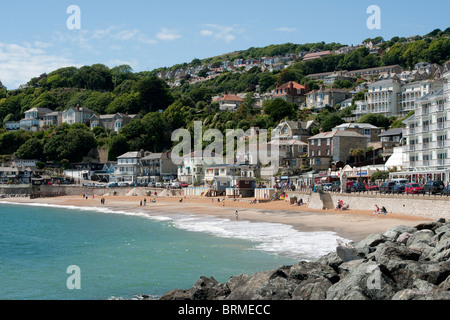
{"x":50,"y":252}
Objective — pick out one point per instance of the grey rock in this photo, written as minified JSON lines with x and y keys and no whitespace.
{"x":346,"y":251}
{"x":403,"y":238}
{"x":404,"y":263}
{"x":414,"y":294}
{"x":366,"y":281}
{"x":393,"y":232}
{"x":422,"y":236}
{"x":313,"y":289}
{"x":312,"y":270}
{"x":441,"y":252}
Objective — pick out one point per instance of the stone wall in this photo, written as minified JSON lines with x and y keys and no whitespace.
{"x":420,"y":205}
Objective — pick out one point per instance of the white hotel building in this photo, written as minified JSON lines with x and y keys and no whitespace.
{"x":427,"y":132}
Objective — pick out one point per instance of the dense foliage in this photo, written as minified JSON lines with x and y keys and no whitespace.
{"x":162,"y":109}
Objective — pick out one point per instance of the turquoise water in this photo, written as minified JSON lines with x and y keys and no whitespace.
{"x":121,"y":255}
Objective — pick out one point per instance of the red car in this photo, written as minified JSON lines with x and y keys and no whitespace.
{"x":413,"y":188}
{"x":372,"y":186}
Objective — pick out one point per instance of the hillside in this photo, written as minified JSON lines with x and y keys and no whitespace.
{"x":164,"y":103}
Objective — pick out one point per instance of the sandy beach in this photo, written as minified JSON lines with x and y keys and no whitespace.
{"x":350,"y":224}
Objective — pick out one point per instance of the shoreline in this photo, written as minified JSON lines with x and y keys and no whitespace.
{"x":353,"y":225}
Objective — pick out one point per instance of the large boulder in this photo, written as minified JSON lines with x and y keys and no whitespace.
{"x":404,"y":263}
{"x":366,"y":281}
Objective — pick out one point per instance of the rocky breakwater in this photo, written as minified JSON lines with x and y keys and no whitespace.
{"x":404,"y":263}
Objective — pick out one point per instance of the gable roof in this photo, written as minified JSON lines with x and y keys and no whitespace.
{"x":294,"y":84}
{"x":231,"y":97}
{"x":338,"y":133}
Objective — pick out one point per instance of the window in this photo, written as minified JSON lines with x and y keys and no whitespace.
{"x":312,"y":153}
{"x":318,"y":142}
{"x":328,"y":141}
{"x":312,"y":142}
{"x":318,"y":153}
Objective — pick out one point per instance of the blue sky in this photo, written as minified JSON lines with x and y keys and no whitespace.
{"x":34,"y":37}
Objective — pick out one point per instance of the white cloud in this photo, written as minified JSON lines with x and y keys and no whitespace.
{"x":219,"y":32}
{"x":167,"y":35}
{"x":92,"y":39}
{"x":286,"y":29}
{"x":19,"y":63}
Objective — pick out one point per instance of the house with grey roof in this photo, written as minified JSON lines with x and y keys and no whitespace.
{"x":155,"y":167}
{"x":330,"y":147}
{"x":370,"y":131}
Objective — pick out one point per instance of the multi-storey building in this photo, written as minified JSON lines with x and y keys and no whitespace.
{"x":77,"y":115}
{"x":412,"y":92}
{"x":382,"y":97}
{"x":326,"y":97}
{"x":155,"y":167}
{"x":334,"y":146}
{"x":128,"y":167}
{"x":427,"y":135}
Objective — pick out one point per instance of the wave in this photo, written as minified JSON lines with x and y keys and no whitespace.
{"x":274,"y":238}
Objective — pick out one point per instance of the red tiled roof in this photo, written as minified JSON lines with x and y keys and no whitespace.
{"x":295,"y":86}
{"x":231,"y":97}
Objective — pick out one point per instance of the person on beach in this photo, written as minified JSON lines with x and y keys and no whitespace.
{"x":377,"y":210}
{"x":383,"y":210}
{"x":145,"y":201}
{"x":140,"y":203}
{"x":237,"y":215}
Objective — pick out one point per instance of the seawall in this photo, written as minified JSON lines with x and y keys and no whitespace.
{"x":434,"y":206}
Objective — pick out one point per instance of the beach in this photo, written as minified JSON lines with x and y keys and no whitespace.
{"x":350,"y":224}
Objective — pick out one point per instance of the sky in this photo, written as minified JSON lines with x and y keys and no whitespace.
{"x":41,"y":36}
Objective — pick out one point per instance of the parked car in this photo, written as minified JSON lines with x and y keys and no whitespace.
{"x":433,"y":187}
{"x":413,"y":188}
{"x":398,"y":188}
{"x":158,"y":184}
{"x":113,"y":185}
{"x":386,"y":187}
{"x":358,"y":187}
{"x":336,"y":185}
{"x":446,"y":190}
{"x":151,"y":184}
{"x":123,"y":184}
{"x":89,"y":184}
{"x":372,"y":186}
{"x":184,"y":184}
{"x":327,"y":186}
{"x":175,"y":184}
{"x":100,"y":185}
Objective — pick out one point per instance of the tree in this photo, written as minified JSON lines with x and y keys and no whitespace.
{"x":330,"y":121}
{"x":377,"y":120}
{"x":117,"y":146}
{"x":153,"y":94}
{"x":357,"y":153}
{"x":266,"y":81}
{"x":31,"y":149}
{"x":125,"y":103}
{"x":72,"y":144}
{"x":279,"y":109}
{"x":95,"y":77}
